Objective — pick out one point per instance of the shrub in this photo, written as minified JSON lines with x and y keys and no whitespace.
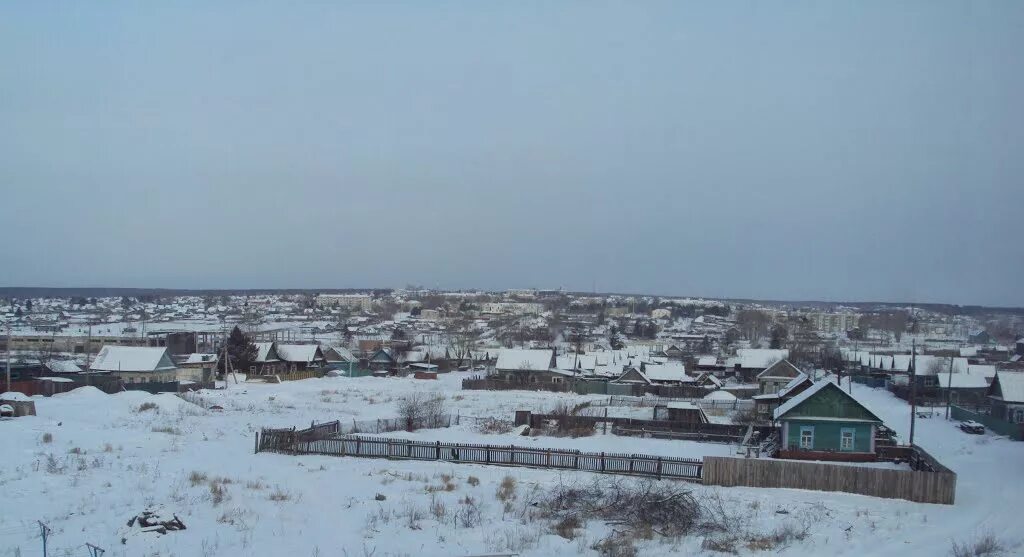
{"x":170,"y":430}
{"x":147,"y":406}
{"x":218,"y":493}
{"x":473,"y":481}
{"x":567,"y":526}
{"x":986,"y":545}
{"x":280,"y":495}
{"x":616,"y":545}
{"x":196,"y":478}
{"x":419,"y":410}
{"x":507,"y":490}
{"x":47,"y":438}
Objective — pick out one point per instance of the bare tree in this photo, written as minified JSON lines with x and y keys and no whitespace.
{"x":753,"y":324}
{"x":419,"y":410}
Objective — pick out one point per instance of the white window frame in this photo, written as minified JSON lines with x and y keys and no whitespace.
{"x":807,"y":429}
{"x":843,"y":438}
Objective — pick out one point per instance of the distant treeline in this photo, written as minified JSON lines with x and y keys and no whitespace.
{"x":100,"y":292}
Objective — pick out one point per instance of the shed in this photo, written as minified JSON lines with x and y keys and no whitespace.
{"x":19,"y":403}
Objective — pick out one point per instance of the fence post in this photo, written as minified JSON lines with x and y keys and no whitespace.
{"x":257,"y":448}
{"x":659,"y":467}
{"x":602,"y":461}
{"x":358,"y":442}
{"x":512,"y":454}
{"x":488,"y":454}
{"x":549,"y":459}
{"x":438,"y":450}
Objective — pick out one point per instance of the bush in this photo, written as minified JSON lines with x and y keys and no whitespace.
{"x":280,"y":495}
{"x":567,"y":526}
{"x":473,"y":481}
{"x":147,"y":406}
{"x":218,"y":493}
{"x":507,"y":490}
{"x":985,"y":546}
{"x":616,"y":545}
{"x":47,"y":438}
{"x":421,"y":410}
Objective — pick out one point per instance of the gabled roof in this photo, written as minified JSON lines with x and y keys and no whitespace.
{"x":631,"y":375}
{"x":265,"y":352}
{"x":338,"y":354}
{"x":780,"y":369}
{"x":794,"y":383}
{"x":1009,"y":386}
{"x":961,"y":381}
{"x":707,"y":361}
{"x":752,"y":358}
{"x":300,"y":353}
{"x":812,"y":391}
{"x":63,"y":366}
{"x":132,"y":358}
{"x":674,"y":371}
{"x":518,"y":359}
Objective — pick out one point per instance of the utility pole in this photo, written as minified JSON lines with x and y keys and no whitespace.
{"x":44,"y":531}
{"x":88,"y":347}
{"x":913,"y":387}
{"x":949,"y":388}
{"x":8,"y":357}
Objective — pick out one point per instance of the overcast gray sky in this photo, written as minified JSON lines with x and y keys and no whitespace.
{"x":836,"y":151}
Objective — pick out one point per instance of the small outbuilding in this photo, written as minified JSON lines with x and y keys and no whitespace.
{"x":18,"y":404}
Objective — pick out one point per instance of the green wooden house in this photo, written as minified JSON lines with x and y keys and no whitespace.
{"x":826,"y":423}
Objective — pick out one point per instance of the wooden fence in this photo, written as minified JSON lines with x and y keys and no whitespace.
{"x":306,"y":442}
{"x":921,"y":487}
{"x":636,"y":427}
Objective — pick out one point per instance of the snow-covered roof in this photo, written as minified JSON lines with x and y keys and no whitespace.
{"x":961,"y":381}
{"x":707,"y":361}
{"x":759,"y":357}
{"x":198,"y":358}
{"x":63,"y":366}
{"x":670,"y":371}
{"x":576,"y":361}
{"x":780,"y":369}
{"x":132,"y":358}
{"x":794,"y":383}
{"x":263,"y":352}
{"x":57,"y":379}
{"x":720,"y":395}
{"x":681,"y":405}
{"x":811,"y":391}
{"x":305,"y":353}
{"x":513,"y":359}
{"x":1011,"y":386}
{"x":15,"y":396}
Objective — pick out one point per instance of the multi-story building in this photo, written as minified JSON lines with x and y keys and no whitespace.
{"x":357,"y":301}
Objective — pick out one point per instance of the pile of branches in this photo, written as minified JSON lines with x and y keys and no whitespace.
{"x":642,"y":507}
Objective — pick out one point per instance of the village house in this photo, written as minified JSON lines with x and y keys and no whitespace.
{"x":267,"y":361}
{"x":777,"y":376}
{"x":300,"y":357}
{"x":1007,"y":396}
{"x":765,"y":404}
{"x":136,"y":364}
{"x":824,"y":422}
{"x":749,"y":362}
{"x":529,"y":366}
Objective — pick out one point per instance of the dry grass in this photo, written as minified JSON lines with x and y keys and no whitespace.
{"x":170,"y":430}
{"x":218,"y":493}
{"x":47,"y":438}
{"x":279,"y":495}
{"x":567,"y":526}
{"x":147,"y":406}
{"x":507,"y":490}
{"x":196,"y":478}
{"x":473,"y":481}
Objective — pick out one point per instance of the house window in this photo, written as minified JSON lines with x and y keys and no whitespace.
{"x":556,"y":379}
{"x":807,"y":437}
{"x":846,"y":439}
{"x":1018,"y":416}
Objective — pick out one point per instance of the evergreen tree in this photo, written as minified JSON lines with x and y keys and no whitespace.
{"x":28,"y":306}
{"x":241,"y":351}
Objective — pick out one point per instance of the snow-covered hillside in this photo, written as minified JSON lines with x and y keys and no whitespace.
{"x":89,"y":462}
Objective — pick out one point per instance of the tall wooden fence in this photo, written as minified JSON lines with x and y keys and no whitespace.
{"x":921,"y":487}
{"x":306,"y":442}
{"x":636,"y":427}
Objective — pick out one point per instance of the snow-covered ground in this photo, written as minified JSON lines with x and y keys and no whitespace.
{"x":89,"y":462}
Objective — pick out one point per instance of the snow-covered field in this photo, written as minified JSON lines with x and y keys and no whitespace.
{"x":89,"y":462}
